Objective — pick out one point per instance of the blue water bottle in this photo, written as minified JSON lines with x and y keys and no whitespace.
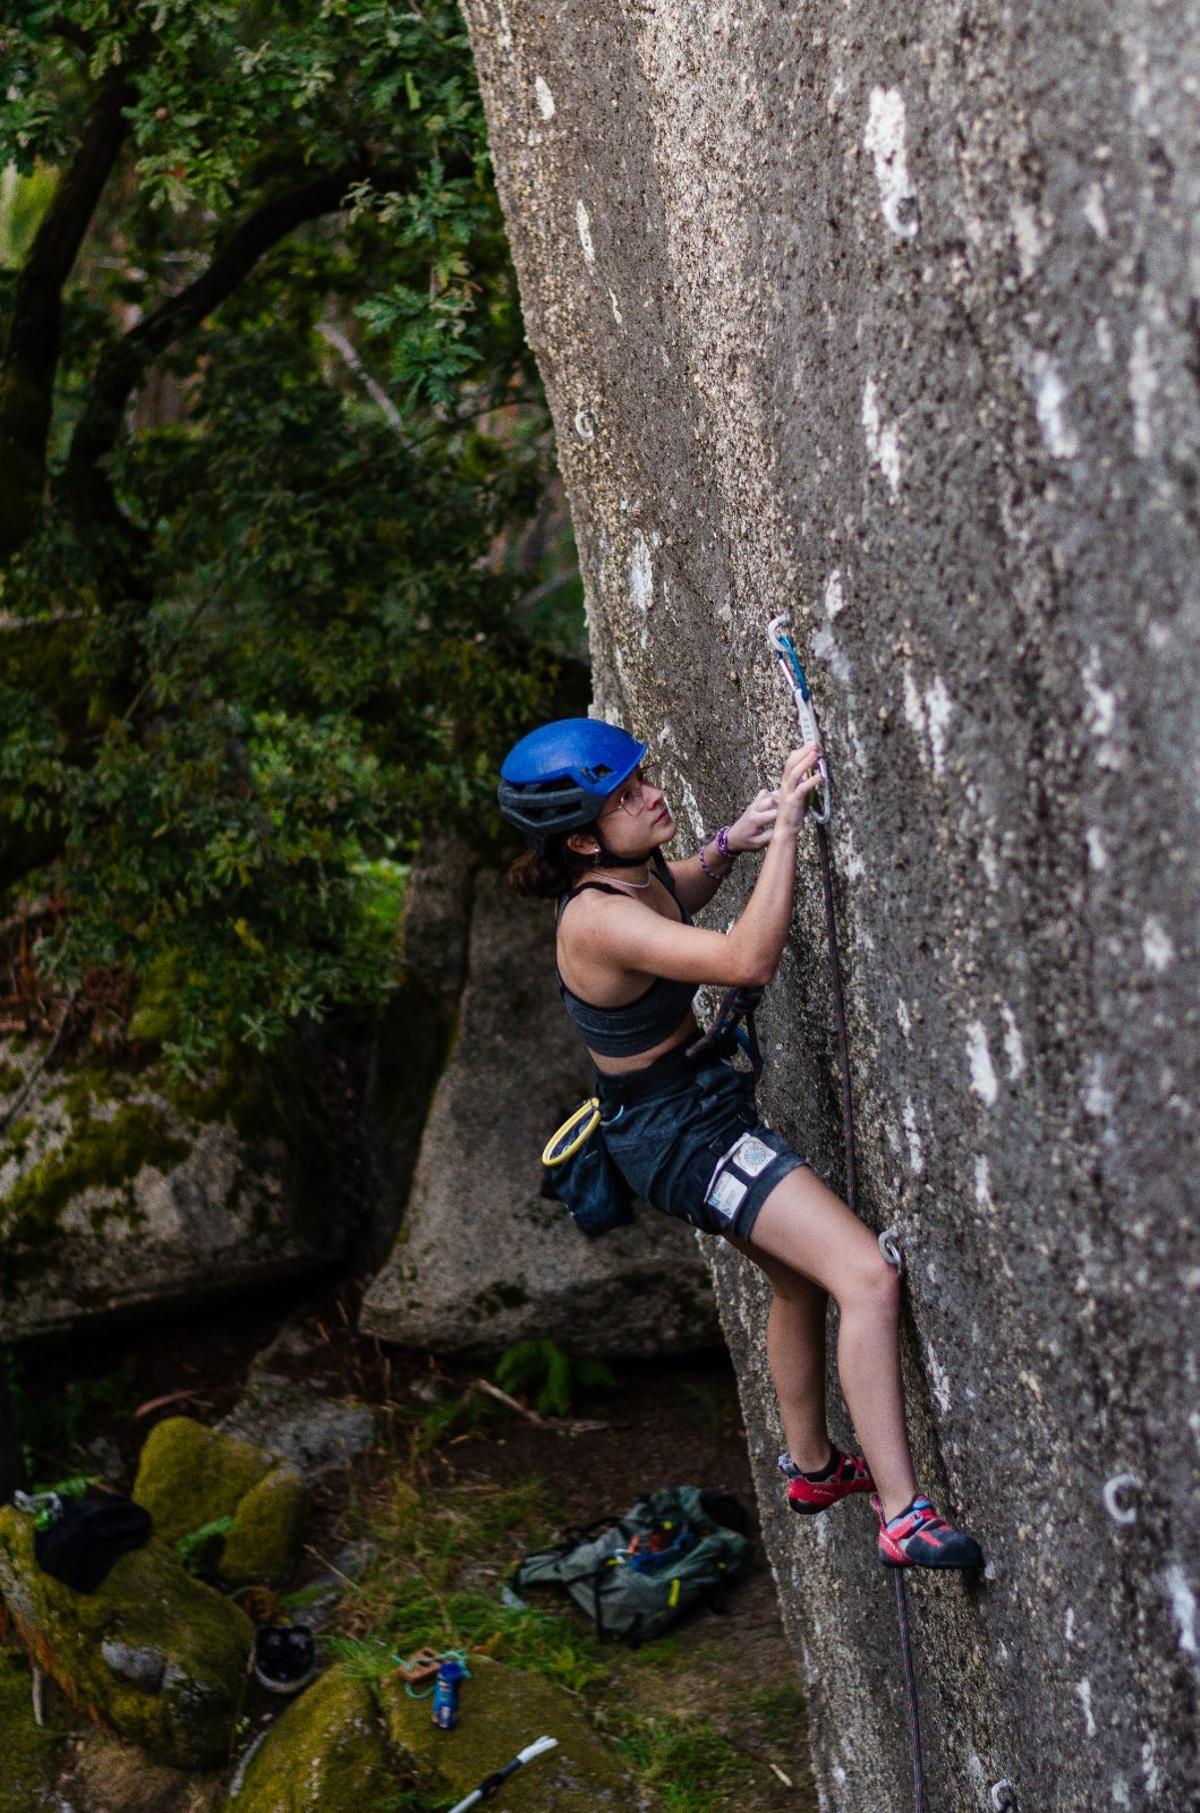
{"x":445,"y":1694}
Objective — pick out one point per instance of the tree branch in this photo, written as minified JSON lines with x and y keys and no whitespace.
{"x":31,"y":353}
{"x":85,"y":487}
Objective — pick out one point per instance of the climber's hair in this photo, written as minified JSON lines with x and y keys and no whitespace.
{"x":546,"y":873}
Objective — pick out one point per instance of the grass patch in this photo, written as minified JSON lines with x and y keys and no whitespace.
{"x":444,"y":1550}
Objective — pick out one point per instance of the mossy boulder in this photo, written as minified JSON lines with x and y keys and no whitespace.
{"x":154,"y":1654}
{"x":190,"y":1475}
{"x":502,"y":1710}
{"x":31,"y":1753}
{"x":327,"y":1754}
{"x":119,"y":1189}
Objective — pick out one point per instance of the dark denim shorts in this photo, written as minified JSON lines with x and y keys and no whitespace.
{"x":686,"y":1136}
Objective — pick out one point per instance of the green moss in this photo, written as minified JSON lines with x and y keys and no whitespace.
{"x":239,"y":1091}
{"x":19,"y":1135}
{"x":327,"y":1754}
{"x":189,"y":1475}
{"x":12,"y":1077}
{"x":98,"y":1154}
{"x":31,"y":1755}
{"x":502,"y":1708}
{"x":265,"y":1543}
{"x":148,"y":1618}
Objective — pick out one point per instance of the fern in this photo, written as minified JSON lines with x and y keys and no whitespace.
{"x":542,"y":1371}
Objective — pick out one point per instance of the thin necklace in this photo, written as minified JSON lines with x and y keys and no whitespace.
{"x":621,"y":881}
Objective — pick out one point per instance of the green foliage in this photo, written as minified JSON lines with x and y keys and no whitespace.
{"x":271,"y":635}
{"x":197,"y":1547}
{"x":49,"y":1423}
{"x":553,"y":1379}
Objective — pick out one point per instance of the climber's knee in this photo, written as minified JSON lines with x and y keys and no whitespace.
{"x":871,"y":1284}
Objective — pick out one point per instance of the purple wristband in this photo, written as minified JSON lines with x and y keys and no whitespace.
{"x":722,"y":842}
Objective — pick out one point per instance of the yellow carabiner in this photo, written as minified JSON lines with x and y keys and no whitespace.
{"x":577,"y":1128}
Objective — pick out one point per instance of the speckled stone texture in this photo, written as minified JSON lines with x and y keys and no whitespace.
{"x":887,"y":317}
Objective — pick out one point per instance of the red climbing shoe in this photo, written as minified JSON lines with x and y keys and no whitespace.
{"x":918,"y":1537}
{"x":807,"y":1496}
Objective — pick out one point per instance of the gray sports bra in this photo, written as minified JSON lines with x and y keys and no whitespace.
{"x":623,"y":1032}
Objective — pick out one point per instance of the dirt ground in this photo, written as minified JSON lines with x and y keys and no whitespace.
{"x":665,"y":1423}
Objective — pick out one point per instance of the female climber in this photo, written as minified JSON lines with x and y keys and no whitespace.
{"x":683,"y":1131}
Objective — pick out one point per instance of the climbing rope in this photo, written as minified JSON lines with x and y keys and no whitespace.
{"x":779,"y":636}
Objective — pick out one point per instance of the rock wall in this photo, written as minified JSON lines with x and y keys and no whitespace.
{"x":890,"y":319}
{"x":482,"y":1261}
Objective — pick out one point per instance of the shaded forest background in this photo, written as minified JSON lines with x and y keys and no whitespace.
{"x":283,"y":559}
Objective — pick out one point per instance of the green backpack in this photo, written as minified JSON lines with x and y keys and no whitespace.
{"x":634,"y":1590}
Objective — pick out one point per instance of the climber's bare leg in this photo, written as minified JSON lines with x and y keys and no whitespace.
{"x":811,"y":1231}
{"x":796,"y":1356}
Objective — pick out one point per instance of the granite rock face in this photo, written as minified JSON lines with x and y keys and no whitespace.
{"x":889,"y":320}
{"x":482,"y":1261}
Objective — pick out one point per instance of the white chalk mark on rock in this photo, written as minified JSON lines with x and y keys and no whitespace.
{"x":617,"y":316}
{"x":983,"y":1071}
{"x":1097,"y":854}
{"x":939,"y":1379}
{"x":1014,"y":1049}
{"x":583,"y":223}
{"x":1183,"y":1604}
{"x":545,"y":99}
{"x":1027,"y":235}
{"x":835,"y":597}
{"x":1143,"y":384}
{"x":884,"y":139}
{"x":983,"y":1185}
{"x":1156,"y":944}
{"x":938,"y":705}
{"x":1093,"y":210}
{"x":883,"y":442}
{"x":641,"y":576}
{"x":916,"y":1155}
{"x":1102,"y":700}
{"x":1050,"y":399}
{"x":1083,"y":1692}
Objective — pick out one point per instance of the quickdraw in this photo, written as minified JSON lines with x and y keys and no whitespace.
{"x":779,"y":634}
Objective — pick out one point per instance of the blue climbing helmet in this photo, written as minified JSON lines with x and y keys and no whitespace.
{"x":558,"y":777}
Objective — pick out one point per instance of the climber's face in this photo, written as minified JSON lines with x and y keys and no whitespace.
{"x":635,"y":822}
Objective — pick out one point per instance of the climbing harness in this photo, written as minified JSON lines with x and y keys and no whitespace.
{"x":491,"y":1783}
{"x":734,"y":1020}
{"x":779,"y":634}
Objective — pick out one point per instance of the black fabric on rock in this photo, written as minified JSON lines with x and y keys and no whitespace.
{"x":82,"y":1544}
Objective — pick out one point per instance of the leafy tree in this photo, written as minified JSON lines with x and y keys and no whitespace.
{"x":269,"y":432}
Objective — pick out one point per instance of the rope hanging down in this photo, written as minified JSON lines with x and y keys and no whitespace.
{"x":779,"y":636}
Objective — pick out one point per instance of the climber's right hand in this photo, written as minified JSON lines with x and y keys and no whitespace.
{"x":800,"y":780}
